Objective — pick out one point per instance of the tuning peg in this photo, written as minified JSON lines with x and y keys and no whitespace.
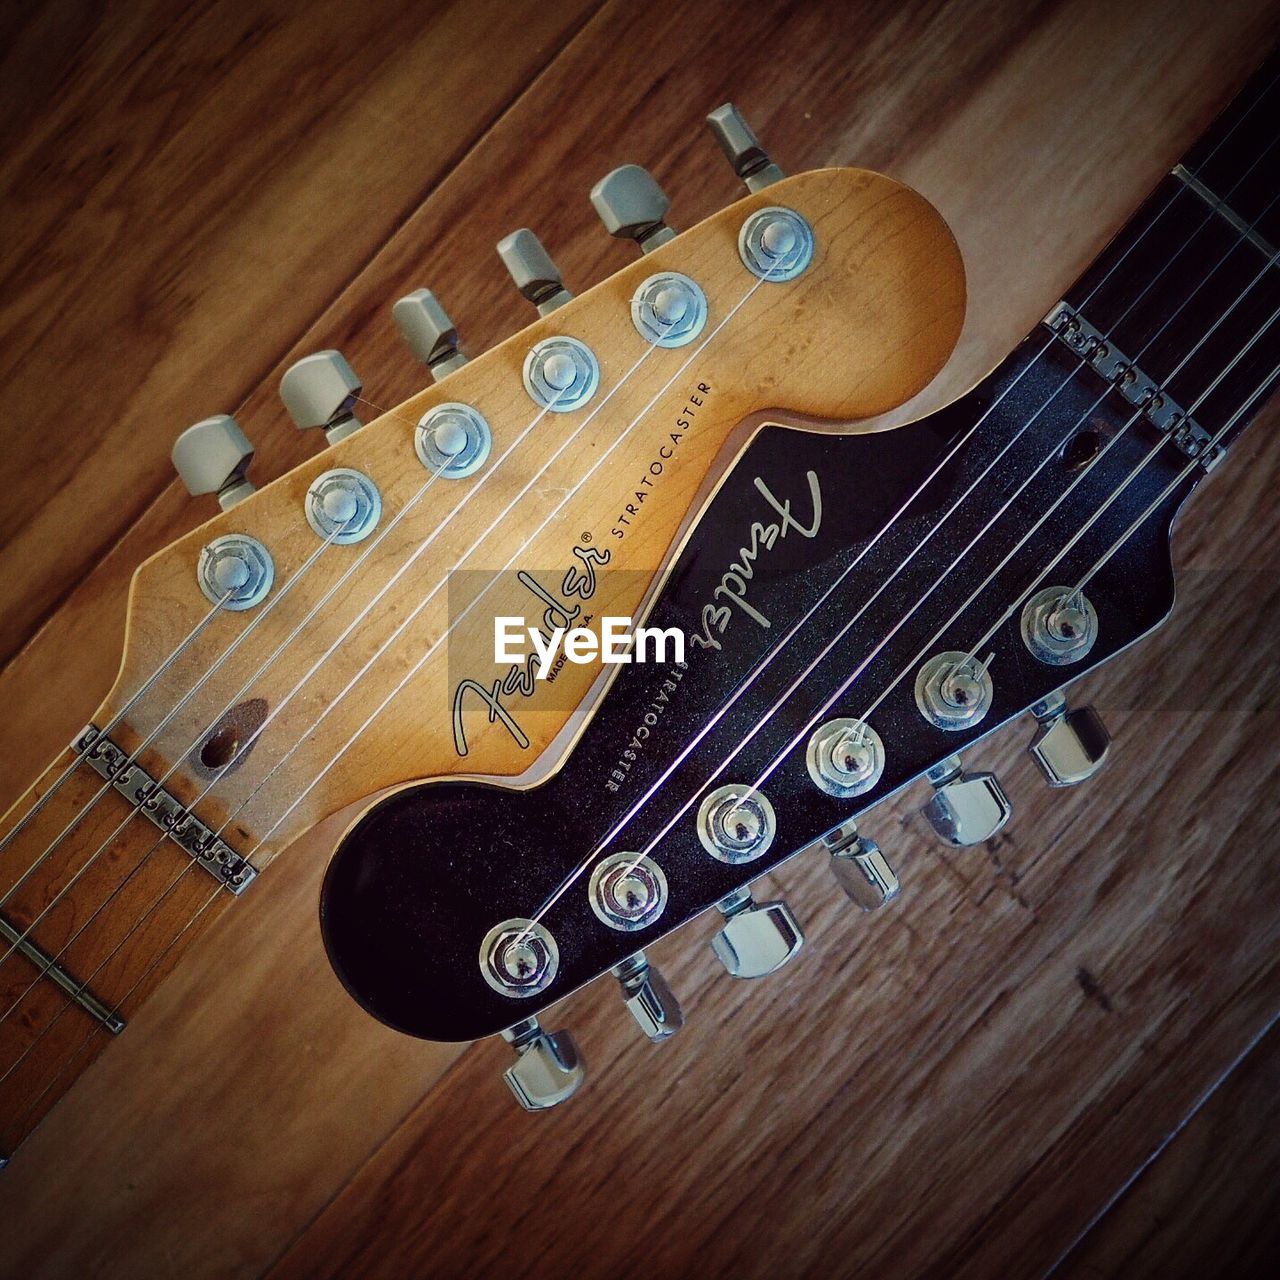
{"x":1070,"y":746}
{"x":749,"y":159}
{"x":860,"y":869}
{"x":321,"y":390}
{"x":212,"y":456}
{"x":648,"y":998}
{"x":965,"y":809}
{"x":758,"y":937}
{"x":548,"y":1068}
{"x":632,"y":206}
{"x":425,"y":325}
{"x":535,"y":275}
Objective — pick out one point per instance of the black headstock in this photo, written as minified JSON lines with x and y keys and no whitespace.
{"x":421,"y":880}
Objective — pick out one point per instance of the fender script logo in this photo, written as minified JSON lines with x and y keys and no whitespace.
{"x":520,"y":679}
{"x":735,"y":582}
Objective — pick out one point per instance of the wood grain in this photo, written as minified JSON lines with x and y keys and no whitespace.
{"x":944,"y":1090}
{"x":1201,"y":1207}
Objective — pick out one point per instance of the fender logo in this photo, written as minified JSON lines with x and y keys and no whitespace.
{"x":735,"y":582}
{"x":520,"y":679}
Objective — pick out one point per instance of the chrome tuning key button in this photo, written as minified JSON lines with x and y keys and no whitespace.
{"x":736,"y":824}
{"x":845,"y":758}
{"x":861,"y":869}
{"x":321,"y":390}
{"x":739,"y":143}
{"x":758,"y":938}
{"x":212,"y":456}
{"x":627,"y":891}
{"x":632,"y":206}
{"x":531,"y":268}
{"x":425,"y":325}
{"x":1059,"y":625}
{"x":648,"y":998}
{"x":669,"y":309}
{"x":519,"y":958}
{"x":965,"y":809}
{"x":1070,"y":745}
{"x":954,"y":690}
{"x":548,"y":1069}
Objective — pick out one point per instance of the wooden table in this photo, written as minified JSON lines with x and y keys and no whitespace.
{"x":1054,"y":1054}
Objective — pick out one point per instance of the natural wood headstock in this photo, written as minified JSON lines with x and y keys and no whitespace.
{"x":864,"y":328}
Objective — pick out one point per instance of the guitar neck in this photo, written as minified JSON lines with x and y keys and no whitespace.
{"x":85,"y":938}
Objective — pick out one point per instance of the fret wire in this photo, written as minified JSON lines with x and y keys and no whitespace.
{"x":94,"y":1030}
{"x":87,"y":982}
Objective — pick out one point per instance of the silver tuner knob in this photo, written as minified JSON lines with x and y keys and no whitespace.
{"x":758,"y":938}
{"x":633,"y":207}
{"x":321,"y":390}
{"x":648,"y":998}
{"x":212,"y":457}
{"x":737,"y":140}
{"x":548,"y":1068}
{"x":425,"y":325}
{"x":965,"y":809}
{"x":1070,"y":745}
{"x":860,"y":869}
{"x":535,"y":275}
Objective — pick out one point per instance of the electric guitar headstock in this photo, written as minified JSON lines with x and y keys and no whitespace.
{"x":344,"y":613}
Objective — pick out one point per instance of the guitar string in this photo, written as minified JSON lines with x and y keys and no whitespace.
{"x":587,"y":862}
{"x":132,"y":758}
{"x":648,"y":351}
{"x":97,"y":736}
{"x":79,"y":755}
{"x":639,"y":417}
{"x":214,"y":895}
{"x":69,"y":1059}
{"x":848,"y":682}
{"x":221,"y":772}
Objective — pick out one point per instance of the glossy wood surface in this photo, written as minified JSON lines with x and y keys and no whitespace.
{"x":962,"y":1087}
